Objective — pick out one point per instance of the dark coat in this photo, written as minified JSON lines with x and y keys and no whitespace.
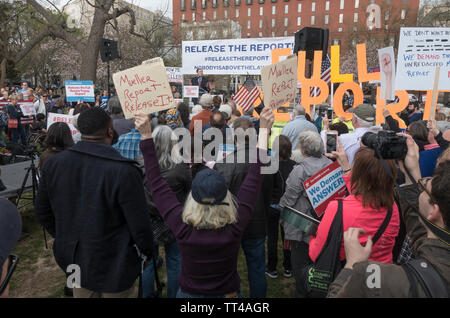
{"x":179,"y":180}
{"x":234,"y":174}
{"x":91,"y":200}
{"x":203,"y":84}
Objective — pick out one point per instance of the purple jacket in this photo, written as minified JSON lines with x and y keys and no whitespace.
{"x":209,"y":257}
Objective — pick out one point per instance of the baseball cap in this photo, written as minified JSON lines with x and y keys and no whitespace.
{"x":364,"y":111}
{"x":226,"y":109}
{"x":10,"y":229}
{"x":209,"y":187}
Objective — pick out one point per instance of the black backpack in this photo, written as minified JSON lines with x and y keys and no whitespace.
{"x":318,"y":276}
{"x":420,"y":270}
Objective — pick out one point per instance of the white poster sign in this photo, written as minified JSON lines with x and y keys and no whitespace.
{"x":190,"y":91}
{"x":79,"y":91}
{"x":387,"y":66}
{"x":174,"y":75}
{"x":420,"y":51}
{"x":27,"y":108}
{"x":231,"y":56}
{"x":56,"y":118}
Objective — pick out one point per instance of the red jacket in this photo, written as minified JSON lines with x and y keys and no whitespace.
{"x":204,"y":116}
{"x":355,"y":215}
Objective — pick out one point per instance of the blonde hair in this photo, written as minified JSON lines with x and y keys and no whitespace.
{"x":209,"y":217}
{"x":444,"y":157}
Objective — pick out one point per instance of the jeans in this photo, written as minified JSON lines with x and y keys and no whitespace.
{"x":273,"y":224}
{"x":300,"y":259}
{"x":255,"y":256}
{"x":173,"y":263}
{"x":19,"y":132}
{"x":181,"y":294}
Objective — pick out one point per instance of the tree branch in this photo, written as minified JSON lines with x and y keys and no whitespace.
{"x":32,"y":44}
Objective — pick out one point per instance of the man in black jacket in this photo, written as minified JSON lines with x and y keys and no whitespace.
{"x":92,"y":201}
{"x":200,"y":81}
{"x":253,"y":239}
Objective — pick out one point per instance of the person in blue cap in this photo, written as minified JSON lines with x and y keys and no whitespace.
{"x":209,"y":227}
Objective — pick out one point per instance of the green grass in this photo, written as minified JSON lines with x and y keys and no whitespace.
{"x":37,"y":274}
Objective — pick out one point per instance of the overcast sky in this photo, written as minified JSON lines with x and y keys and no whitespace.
{"x":152,"y":5}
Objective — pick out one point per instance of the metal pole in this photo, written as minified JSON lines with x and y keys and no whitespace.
{"x":108,"y":82}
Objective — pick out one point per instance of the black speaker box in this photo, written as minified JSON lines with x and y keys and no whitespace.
{"x":108,"y":50}
{"x":310,"y":40}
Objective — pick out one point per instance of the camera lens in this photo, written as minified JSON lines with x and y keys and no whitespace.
{"x":369,"y":139}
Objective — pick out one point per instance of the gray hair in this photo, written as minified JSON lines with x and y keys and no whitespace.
{"x":166,"y":147}
{"x":206,"y":100}
{"x":249,"y":112}
{"x":114,"y":105}
{"x":299,"y":110}
{"x":362,"y":122}
{"x":310,"y":143}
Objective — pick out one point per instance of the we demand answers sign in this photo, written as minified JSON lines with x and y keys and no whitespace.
{"x":325,"y":186}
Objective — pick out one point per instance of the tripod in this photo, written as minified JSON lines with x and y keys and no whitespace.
{"x":34,"y":184}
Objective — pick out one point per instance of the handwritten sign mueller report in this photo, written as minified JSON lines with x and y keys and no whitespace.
{"x":144,"y":89}
{"x":279,"y":82}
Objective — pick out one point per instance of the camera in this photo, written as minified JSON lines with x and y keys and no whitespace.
{"x":31,"y":151}
{"x":386,"y":144}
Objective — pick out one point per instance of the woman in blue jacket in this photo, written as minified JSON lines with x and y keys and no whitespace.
{"x":14,"y":112}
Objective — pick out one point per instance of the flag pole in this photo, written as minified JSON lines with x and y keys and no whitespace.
{"x":332,"y":97}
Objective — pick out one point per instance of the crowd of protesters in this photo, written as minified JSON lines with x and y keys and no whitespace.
{"x":113,"y":195}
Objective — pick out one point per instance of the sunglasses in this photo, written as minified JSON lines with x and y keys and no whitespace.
{"x":12,"y":264}
{"x":423,"y":187}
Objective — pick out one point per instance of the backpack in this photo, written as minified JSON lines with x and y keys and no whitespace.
{"x":420,"y":270}
{"x":318,"y":276}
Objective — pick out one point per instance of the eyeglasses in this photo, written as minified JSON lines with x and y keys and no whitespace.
{"x":13,"y":260}
{"x":423,"y":187}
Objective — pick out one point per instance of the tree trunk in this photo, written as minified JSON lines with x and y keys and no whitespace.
{"x":3,"y":72}
{"x":89,"y":56}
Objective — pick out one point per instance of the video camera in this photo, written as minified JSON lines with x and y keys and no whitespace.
{"x":386,"y":144}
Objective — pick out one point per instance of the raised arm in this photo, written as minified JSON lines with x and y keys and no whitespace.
{"x":165,"y":200}
{"x":250,"y":188}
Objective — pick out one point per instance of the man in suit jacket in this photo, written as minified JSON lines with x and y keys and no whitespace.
{"x":202,"y":82}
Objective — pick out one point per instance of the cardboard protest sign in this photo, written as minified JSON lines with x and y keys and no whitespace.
{"x":279,"y":82}
{"x":55,"y":118}
{"x":420,"y":51}
{"x":190,"y":91}
{"x":144,"y":89}
{"x":387,"y":65}
{"x":27,"y":108}
{"x":325,"y":186}
{"x":79,"y":90}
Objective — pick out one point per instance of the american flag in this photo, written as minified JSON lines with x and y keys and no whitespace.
{"x":325,"y":75}
{"x":246,"y":95}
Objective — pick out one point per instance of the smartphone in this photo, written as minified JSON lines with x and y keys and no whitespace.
{"x":331,"y":141}
{"x":330,"y":114}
